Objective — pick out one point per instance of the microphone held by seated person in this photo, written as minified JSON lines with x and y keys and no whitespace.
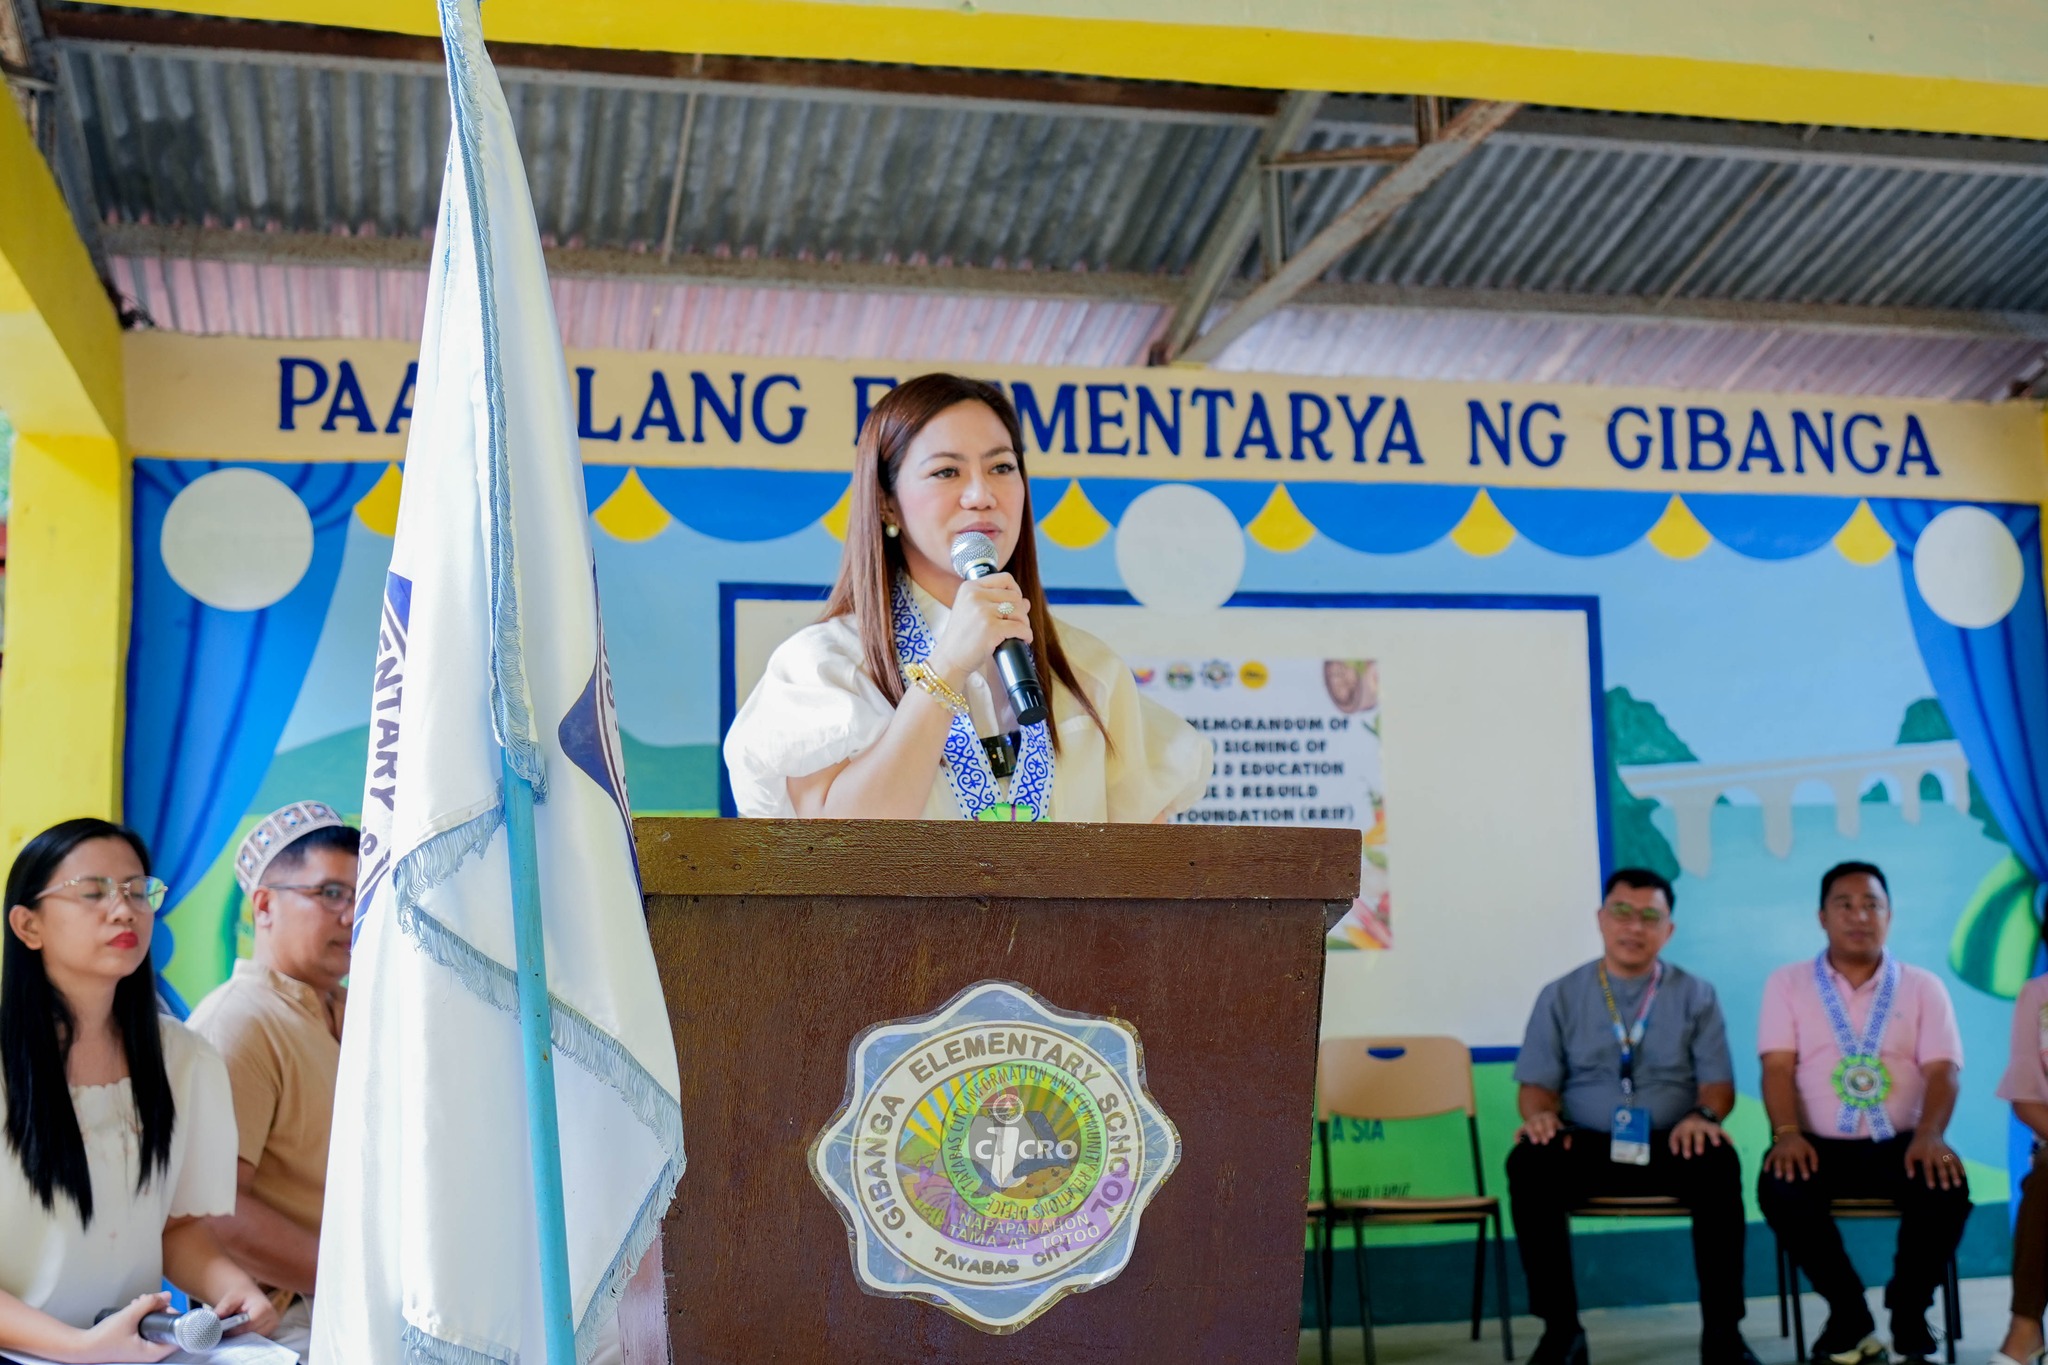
{"x":198,"y":1329}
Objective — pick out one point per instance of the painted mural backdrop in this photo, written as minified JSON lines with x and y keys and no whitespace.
{"x":1787,"y":681}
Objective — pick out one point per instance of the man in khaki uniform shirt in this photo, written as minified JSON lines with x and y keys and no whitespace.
{"x":277,"y":1024}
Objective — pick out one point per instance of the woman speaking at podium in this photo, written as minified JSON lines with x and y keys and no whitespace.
{"x":896,"y":704}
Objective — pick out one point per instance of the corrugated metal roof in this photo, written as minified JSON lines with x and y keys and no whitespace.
{"x":308,"y":301}
{"x":180,"y":140}
{"x":1529,"y":216}
{"x":189,"y":139}
{"x":1658,"y":209}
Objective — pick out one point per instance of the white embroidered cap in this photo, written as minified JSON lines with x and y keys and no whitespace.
{"x":279,"y":830}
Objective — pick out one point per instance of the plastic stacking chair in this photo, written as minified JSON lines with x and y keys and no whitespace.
{"x":1790,"y":1290}
{"x":1391,"y":1079}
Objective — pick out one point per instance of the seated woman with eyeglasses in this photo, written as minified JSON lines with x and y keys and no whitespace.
{"x":120,"y":1135}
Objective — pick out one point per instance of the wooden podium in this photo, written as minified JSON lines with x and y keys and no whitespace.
{"x":779,"y":941}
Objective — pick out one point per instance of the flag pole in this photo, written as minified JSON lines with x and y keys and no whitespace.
{"x":543,"y":1136}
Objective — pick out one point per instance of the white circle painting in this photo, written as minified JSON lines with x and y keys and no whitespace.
{"x":237,"y":539}
{"x":1968,"y":567}
{"x":1179,"y":549}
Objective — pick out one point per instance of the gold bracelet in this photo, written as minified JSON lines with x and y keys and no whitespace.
{"x":927,"y":678}
{"x":1783,"y":1129}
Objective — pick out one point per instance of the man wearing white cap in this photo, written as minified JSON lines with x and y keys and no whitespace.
{"x":277,"y":1024}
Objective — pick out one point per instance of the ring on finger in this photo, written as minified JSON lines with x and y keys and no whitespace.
{"x":1006,"y":608}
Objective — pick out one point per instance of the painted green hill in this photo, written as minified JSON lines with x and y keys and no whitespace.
{"x":679,"y":779}
{"x":1926,"y":723}
{"x":1637,"y":733}
{"x":210,"y":921}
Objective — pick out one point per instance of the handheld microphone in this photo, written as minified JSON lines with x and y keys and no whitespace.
{"x":974,"y":556}
{"x":197,"y":1330}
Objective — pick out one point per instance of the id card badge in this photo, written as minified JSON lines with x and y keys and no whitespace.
{"x":1629,"y":1139}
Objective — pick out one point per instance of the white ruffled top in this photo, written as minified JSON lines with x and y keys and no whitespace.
{"x":49,"y":1260}
{"x":816,"y":706}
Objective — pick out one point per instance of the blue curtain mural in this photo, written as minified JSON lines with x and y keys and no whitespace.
{"x":1993,"y":684}
{"x":1993,"y":680}
{"x":1392,"y":519}
{"x":1113,"y":497}
{"x":1580,"y":522}
{"x":209,"y":690}
{"x":600,"y":481}
{"x":742,"y":504}
{"x":1771,"y":525}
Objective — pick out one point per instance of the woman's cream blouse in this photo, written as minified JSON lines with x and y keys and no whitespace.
{"x":50,"y":1260}
{"x":816,"y":706}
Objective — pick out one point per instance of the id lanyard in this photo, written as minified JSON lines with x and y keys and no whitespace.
{"x":1631,"y":1037}
{"x":1861,"y":1079}
{"x":977,"y":787}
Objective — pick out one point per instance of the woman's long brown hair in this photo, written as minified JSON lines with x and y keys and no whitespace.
{"x":867,"y":572}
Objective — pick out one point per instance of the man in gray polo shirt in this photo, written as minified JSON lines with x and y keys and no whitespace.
{"x":1625,"y":1078}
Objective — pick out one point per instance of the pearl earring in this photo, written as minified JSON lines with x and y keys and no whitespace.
{"x":889,"y":530}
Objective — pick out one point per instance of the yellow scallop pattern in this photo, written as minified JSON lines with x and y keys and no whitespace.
{"x":1280,"y":526}
{"x":836,"y":520}
{"x":378,"y":509}
{"x":1483,"y":532}
{"x":1073,"y":523}
{"x":1678,"y":534}
{"x":1862,"y":540}
{"x":631,"y":513}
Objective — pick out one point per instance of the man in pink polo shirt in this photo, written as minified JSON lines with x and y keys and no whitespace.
{"x":1861,"y":1059}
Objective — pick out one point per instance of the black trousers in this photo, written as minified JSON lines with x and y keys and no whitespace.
{"x":1546,"y":1182}
{"x":2030,"y":1243}
{"x":1930,"y":1222}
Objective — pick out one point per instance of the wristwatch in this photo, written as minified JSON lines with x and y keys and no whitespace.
{"x":1707,"y":1113}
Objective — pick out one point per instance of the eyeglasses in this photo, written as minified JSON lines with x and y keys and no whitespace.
{"x":1647,"y":916}
{"x":145,"y":893}
{"x":336,"y":896}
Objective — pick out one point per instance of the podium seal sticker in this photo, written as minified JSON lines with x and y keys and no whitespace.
{"x":995,"y":1156}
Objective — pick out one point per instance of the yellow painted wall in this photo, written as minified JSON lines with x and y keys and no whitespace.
{"x":1975,"y":66}
{"x":68,"y":528}
{"x":61,"y":690}
{"x":60,"y":343}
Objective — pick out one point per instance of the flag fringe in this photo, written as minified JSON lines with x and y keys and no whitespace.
{"x":511,"y":703}
{"x":574,"y":1036}
{"x":604,"y":1303}
{"x":425,"y":868}
{"x":597,"y":1052}
{"x":422,"y":1348}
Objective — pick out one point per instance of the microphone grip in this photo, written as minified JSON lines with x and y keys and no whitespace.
{"x":1020,"y":677}
{"x":1014,"y":662}
{"x":161,"y":1328}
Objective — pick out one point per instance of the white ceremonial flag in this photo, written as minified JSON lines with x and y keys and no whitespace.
{"x":428,"y":1250}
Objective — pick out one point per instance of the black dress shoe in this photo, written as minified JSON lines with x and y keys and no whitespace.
{"x":1727,"y":1351}
{"x":1911,"y":1338}
{"x":1560,"y":1348}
